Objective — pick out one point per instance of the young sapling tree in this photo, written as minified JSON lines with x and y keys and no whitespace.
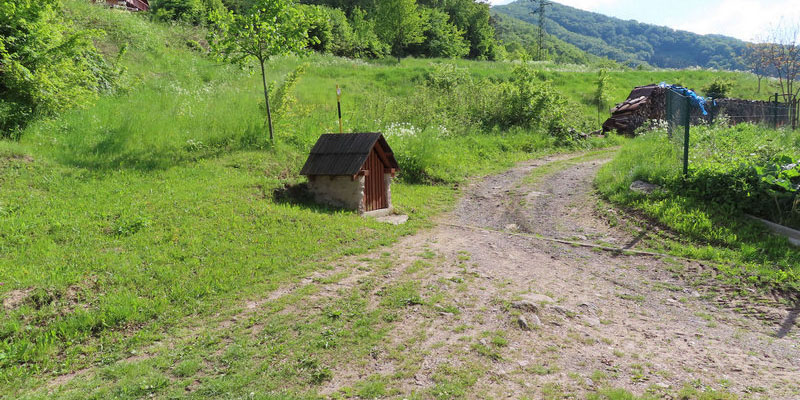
{"x":270,"y":28}
{"x":601,"y":96}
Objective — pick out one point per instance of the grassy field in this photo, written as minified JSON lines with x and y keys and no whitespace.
{"x":165,"y":201}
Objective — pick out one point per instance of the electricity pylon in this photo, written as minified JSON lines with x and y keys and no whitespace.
{"x":540,"y":10}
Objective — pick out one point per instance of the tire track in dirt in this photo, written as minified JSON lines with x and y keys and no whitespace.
{"x":595,"y":319}
{"x":614,"y":320}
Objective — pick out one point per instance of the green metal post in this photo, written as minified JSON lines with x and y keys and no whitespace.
{"x":687,"y":109}
{"x":775,"y":113}
{"x":668,"y":113}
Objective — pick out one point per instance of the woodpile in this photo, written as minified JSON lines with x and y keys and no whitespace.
{"x":647,"y":103}
{"x":643,"y":104}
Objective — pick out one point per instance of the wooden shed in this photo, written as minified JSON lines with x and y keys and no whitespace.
{"x":353,"y":171}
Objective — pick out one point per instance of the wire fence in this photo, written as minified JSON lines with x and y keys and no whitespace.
{"x":680,"y":115}
{"x":773,"y":113}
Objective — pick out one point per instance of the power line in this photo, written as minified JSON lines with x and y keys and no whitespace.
{"x":541,"y":10}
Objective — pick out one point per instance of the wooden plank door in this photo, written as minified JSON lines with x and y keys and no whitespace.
{"x":374,"y":186}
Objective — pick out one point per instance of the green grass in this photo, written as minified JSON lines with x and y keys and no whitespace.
{"x":122,"y":222}
{"x":706,"y":226}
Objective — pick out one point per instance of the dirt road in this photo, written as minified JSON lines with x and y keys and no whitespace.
{"x":494,"y":302}
{"x":533,"y":318}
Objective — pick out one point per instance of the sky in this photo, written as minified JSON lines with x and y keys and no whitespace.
{"x":744,"y":19}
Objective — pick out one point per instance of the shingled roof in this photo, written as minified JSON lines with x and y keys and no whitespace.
{"x":345,"y":153}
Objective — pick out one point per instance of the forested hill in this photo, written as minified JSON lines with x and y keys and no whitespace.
{"x":630,"y":41}
{"x":520,"y":41}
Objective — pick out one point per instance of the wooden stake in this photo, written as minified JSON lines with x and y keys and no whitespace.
{"x":339,"y":106}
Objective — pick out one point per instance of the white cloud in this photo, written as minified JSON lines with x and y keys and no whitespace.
{"x":746,"y":20}
{"x":743,"y":19}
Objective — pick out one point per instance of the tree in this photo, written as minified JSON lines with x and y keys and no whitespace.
{"x":755,"y":58}
{"x":474,"y":19}
{"x":601,"y":96}
{"x":400,"y":24}
{"x":442,"y":39}
{"x":366,"y":41}
{"x":270,"y":28}
{"x":782,"y":53}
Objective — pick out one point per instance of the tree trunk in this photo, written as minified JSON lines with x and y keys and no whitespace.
{"x":266,"y":98}
{"x":759,"y":84}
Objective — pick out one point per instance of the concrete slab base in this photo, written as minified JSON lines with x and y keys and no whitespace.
{"x":378,"y":213}
{"x":393,"y":219}
{"x":789,"y":233}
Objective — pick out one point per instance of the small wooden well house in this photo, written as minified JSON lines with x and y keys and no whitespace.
{"x":353,"y":171}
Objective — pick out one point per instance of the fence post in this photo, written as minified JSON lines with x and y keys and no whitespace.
{"x":688,"y":111}
{"x":668,"y":112}
{"x":775,"y":113}
{"x":711,"y":111}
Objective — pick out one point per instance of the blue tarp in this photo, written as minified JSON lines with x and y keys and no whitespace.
{"x":694,"y":99}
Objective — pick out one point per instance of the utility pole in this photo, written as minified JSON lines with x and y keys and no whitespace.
{"x":541,"y":10}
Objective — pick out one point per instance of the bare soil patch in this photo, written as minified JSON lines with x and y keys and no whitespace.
{"x":635,"y":322}
{"x":503,"y":313}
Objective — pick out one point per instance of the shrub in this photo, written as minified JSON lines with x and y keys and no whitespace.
{"x":442,"y":39}
{"x":446,"y":76}
{"x":529,"y":101}
{"x":719,"y":88}
{"x":740,"y":169}
{"x":47,"y":66}
{"x":190,"y":11}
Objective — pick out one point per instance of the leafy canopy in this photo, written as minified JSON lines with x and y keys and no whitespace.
{"x":270,"y":28}
{"x":400,"y":23}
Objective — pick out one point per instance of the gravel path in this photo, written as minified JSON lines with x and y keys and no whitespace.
{"x":497,"y":310}
{"x":594,"y":319}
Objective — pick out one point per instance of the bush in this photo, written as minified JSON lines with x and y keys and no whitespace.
{"x":528,"y":101}
{"x":740,"y":169}
{"x":446,"y":77}
{"x":190,"y":11}
{"x":47,"y":65}
{"x":442,"y":39}
{"x":719,"y":88}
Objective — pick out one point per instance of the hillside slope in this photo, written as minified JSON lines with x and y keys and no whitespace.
{"x":517,"y":34}
{"x":632,"y":42}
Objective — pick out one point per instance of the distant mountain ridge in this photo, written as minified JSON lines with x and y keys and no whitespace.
{"x":632,"y":42}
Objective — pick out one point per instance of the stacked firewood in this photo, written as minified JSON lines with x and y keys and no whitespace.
{"x":648,"y":103}
{"x":643,"y":104}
